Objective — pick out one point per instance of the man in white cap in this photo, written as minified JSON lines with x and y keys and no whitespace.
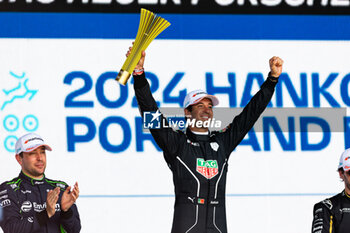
{"x":197,"y":157}
{"x":33,"y":203}
{"x":332,"y":215}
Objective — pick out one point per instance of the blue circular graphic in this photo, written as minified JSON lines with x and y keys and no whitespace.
{"x":11,"y":123}
{"x":10,"y":143}
{"x":30,"y":123}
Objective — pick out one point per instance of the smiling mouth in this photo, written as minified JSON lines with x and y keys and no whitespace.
{"x":205,"y":117}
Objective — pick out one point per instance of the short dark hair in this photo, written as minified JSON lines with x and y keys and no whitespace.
{"x":21,"y":154}
{"x":189,"y":108}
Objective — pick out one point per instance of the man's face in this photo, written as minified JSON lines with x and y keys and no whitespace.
{"x":33,"y":163}
{"x":202,"y":111}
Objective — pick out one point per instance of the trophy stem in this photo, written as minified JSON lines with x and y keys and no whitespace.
{"x":123,"y":77}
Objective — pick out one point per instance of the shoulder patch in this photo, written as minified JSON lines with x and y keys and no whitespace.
{"x":57,"y":183}
{"x":13,"y":181}
{"x":328,"y":203}
{"x":60,"y":185}
{"x":15,"y":185}
{"x":214,"y":146}
{"x":225,"y":129}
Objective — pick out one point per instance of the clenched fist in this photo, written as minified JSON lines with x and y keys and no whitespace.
{"x":276,"y":64}
{"x":142,"y":59}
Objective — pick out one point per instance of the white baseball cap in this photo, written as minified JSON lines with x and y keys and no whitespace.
{"x":30,"y":142}
{"x":344,"y":161}
{"x":195,"y":96}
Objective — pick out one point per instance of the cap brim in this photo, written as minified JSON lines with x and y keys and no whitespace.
{"x":214,"y":100}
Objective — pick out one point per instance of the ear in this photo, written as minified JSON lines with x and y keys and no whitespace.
{"x":19,"y":159}
{"x":341,"y":175}
{"x":187,"y":113}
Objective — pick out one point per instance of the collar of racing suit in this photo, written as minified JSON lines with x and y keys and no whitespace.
{"x":30,"y":180}
{"x":346,"y":194}
{"x":200,"y":133}
{"x":198,"y":137}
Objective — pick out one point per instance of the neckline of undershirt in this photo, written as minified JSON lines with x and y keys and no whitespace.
{"x":200,"y":133}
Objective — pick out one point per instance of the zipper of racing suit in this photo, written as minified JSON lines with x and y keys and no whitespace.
{"x":42,"y":200}
{"x":204,"y":150}
{"x":207,"y":203}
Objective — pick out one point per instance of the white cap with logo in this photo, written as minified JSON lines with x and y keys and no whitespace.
{"x":195,"y":96}
{"x":30,"y":142}
{"x":344,"y":161}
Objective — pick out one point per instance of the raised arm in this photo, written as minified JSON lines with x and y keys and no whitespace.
{"x":165,"y":137}
{"x":242,"y":123}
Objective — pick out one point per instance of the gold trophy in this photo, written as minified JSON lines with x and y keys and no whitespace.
{"x":150,"y":27}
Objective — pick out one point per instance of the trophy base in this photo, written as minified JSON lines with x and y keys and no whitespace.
{"x":123,"y":77}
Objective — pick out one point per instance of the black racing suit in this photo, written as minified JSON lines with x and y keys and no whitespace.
{"x":23,"y":202}
{"x":332,"y":215}
{"x":199,"y":162}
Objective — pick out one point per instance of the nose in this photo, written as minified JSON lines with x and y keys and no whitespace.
{"x":207,"y":109}
{"x":39,"y":156}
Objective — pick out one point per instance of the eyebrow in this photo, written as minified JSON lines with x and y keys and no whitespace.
{"x":201,"y":103}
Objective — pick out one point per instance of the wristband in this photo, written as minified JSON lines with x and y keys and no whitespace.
{"x":273,"y":79}
{"x":138,"y":71}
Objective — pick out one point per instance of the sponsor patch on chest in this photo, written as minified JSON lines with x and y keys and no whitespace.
{"x":208,"y":168}
{"x":345,"y":210}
